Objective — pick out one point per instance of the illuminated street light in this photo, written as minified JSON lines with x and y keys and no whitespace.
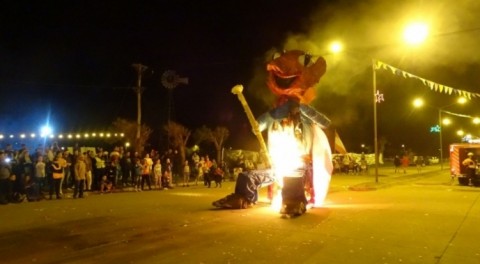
{"x":460,"y":100}
{"x":418,"y":102}
{"x":336,"y":47}
{"x":460,"y":132}
{"x":415,"y":33}
{"x":476,"y":120}
{"x":45,"y":131}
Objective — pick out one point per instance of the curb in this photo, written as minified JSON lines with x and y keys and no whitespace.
{"x":373,"y":186}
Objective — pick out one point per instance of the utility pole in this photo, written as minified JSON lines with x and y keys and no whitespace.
{"x":139,"y":68}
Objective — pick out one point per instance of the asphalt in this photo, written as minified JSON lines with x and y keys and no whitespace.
{"x":414,"y":217}
{"x":387,"y":177}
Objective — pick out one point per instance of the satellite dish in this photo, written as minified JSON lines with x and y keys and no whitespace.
{"x":170,"y":79}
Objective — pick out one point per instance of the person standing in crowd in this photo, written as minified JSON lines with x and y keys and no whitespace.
{"x":88,"y":161}
{"x":157,"y":173}
{"x":63,"y":164}
{"x":111,"y":173}
{"x":146,"y":171}
{"x":68,"y":179}
{"x":194,"y":165}
{"x":99,"y":168}
{"x":80,"y":176}
{"x":186,"y":174}
{"x":40,"y":176}
{"x":201,"y":170}
{"x":419,"y":163}
{"x":207,"y":170}
{"x":195,"y":159}
{"x":149,"y":163}
{"x":6,"y":179}
{"x":126,"y":165}
{"x":471,"y":165}
{"x":26,"y":166}
{"x":134,"y":158}
{"x":50,"y":155}
{"x":57,"y":176}
{"x":73,"y":159}
{"x":397,"y":163}
{"x":16,"y":163}
{"x":137,"y":175}
{"x":167,"y":174}
{"x":405,"y":163}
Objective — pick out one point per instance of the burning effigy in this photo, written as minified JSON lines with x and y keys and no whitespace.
{"x":298,"y":152}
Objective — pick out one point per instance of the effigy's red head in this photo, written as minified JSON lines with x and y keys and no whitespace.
{"x":293,"y":75}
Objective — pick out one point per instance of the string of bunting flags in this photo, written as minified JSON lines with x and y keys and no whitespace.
{"x":432,"y":85}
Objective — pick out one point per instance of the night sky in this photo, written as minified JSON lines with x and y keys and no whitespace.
{"x":70,"y":62}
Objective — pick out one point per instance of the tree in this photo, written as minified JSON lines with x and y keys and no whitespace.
{"x":178,"y":136}
{"x":218,"y":136}
{"x":129,"y":129}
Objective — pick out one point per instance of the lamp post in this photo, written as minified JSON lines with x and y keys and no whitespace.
{"x":375,"y":136}
{"x":461,"y":100}
{"x":440,"y":137}
{"x":414,"y":34}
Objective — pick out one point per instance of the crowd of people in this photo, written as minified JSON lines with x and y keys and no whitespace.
{"x":347,"y":164}
{"x":47,"y":172}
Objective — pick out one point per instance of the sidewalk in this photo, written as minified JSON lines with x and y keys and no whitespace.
{"x":387,"y":177}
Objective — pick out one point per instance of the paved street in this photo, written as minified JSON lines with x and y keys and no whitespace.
{"x":404,"y":218}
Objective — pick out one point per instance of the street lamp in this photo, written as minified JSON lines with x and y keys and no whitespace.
{"x":415,"y":33}
{"x":460,"y":100}
{"x":336,"y":47}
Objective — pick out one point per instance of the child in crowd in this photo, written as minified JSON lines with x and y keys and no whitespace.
{"x":157,"y":173}
{"x":186,"y":174}
{"x":137,"y":177}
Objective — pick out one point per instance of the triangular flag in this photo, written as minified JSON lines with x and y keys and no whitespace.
{"x":450,"y":89}
{"x":339,"y":147}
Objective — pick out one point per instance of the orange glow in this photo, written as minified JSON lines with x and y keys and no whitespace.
{"x":286,"y":153}
{"x":277,"y":201}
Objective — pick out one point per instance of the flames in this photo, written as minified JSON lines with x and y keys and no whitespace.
{"x":286,"y":152}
